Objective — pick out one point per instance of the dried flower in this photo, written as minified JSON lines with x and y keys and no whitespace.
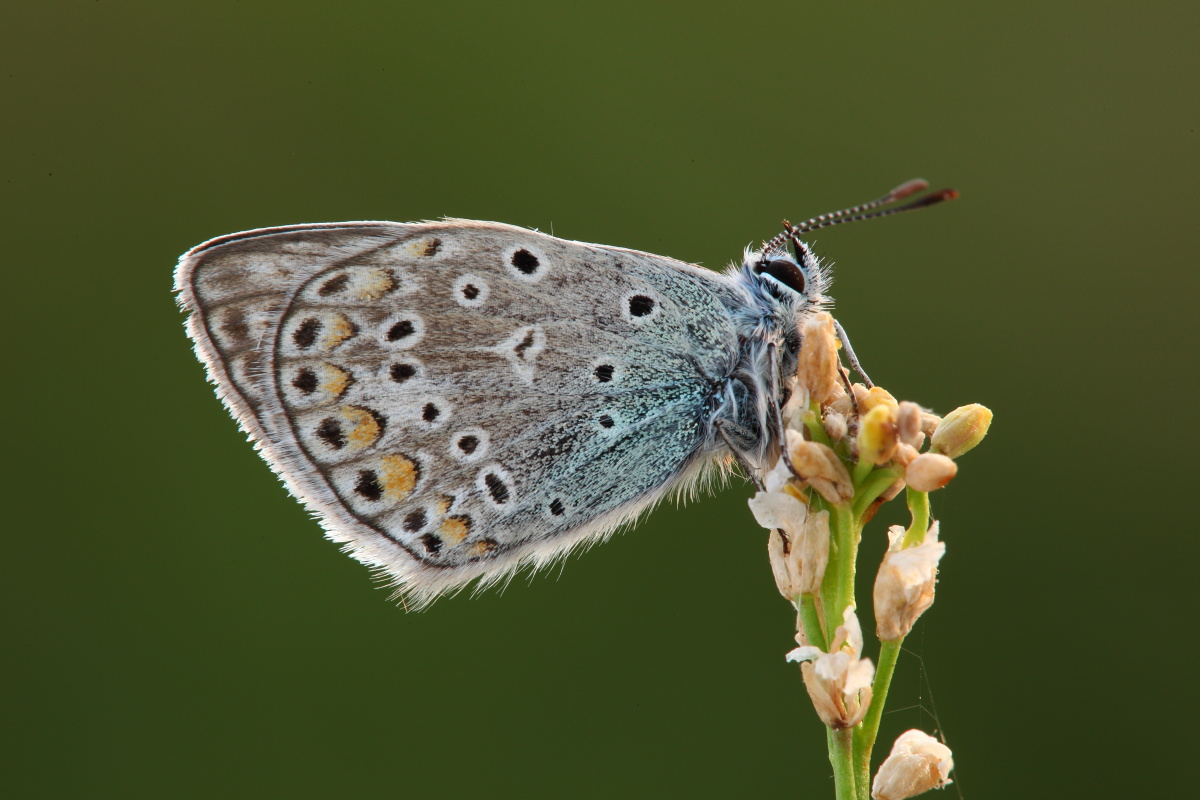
{"x":838,"y":682}
{"x":814,"y":551}
{"x":798,"y":547}
{"x":918,"y":762}
{"x":929,"y":471}
{"x":785,"y":564}
{"x":962,"y":429}
{"x":820,"y":467}
{"x":784,"y":515}
{"x":819,"y":368}
{"x":904,"y":584}
{"x":793,"y":410}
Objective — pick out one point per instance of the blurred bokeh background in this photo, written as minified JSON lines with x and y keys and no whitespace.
{"x":175,"y":625}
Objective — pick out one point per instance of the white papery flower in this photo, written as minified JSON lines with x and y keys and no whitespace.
{"x":838,"y":682}
{"x":798,"y":562}
{"x":904,"y":584}
{"x":918,"y":762}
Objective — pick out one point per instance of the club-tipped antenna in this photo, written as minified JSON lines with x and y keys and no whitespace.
{"x":864,"y":211}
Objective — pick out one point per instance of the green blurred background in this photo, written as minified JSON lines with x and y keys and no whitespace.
{"x":174,"y":624}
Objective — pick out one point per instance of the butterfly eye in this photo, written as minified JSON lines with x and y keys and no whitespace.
{"x":784,"y":271}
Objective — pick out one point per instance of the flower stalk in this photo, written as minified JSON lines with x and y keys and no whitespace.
{"x":847,"y":454}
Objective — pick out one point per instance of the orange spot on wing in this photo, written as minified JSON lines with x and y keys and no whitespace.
{"x":375,"y":284}
{"x":481,"y":548}
{"x":399,"y":476}
{"x":365,"y":428}
{"x":337,"y":330}
{"x":334,"y":379}
{"x":454,"y":529}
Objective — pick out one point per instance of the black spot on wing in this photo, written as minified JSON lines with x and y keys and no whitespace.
{"x":525,"y":261}
{"x":305,"y":336}
{"x":305,"y":381}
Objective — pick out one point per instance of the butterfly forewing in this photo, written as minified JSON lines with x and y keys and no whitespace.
{"x":454,"y":399}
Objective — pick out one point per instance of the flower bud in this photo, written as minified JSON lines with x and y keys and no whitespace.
{"x":818,"y":367}
{"x":905,"y":453}
{"x":962,"y":429}
{"x":876,"y":396}
{"x":929,"y":423}
{"x":843,"y":404}
{"x":877,"y":434}
{"x":917,"y":763}
{"x":908,"y":424}
{"x":835,"y":425}
{"x":929,"y":471}
{"x":904,"y":584}
{"x":820,"y":467}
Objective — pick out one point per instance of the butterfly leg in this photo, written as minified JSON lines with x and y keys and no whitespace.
{"x":776,"y":410}
{"x":853,"y":359}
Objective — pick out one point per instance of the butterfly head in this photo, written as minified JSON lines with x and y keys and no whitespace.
{"x":786,"y":288}
{"x":796,"y":280}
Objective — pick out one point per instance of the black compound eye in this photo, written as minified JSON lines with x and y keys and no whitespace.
{"x":784,"y":271}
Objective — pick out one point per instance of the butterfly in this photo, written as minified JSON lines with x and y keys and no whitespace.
{"x":454,"y":400}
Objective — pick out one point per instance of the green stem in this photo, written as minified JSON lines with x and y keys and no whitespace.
{"x":845,"y":535}
{"x":874,"y":486}
{"x":812,"y":421}
{"x":810,"y":619}
{"x":862,"y":469}
{"x":918,"y":505}
{"x":841,"y":756}
{"x":864,"y":737}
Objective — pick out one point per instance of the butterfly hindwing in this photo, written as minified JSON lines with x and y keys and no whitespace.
{"x":454,"y":399}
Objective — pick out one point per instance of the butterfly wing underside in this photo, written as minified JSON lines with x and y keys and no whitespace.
{"x":456,"y":399}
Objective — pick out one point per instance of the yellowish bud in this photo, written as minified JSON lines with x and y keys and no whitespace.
{"x":918,"y":762}
{"x":876,"y":396}
{"x":877,"y":434}
{"x":818,"y":363}
{"x":962,"y":429}
{"x":929,"y":471}
{"x":908,"y":424}
{"x":820,"y":467}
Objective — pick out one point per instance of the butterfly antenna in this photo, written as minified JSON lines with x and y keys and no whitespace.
{"x":867,"y":210}
{"x":864,"y":211}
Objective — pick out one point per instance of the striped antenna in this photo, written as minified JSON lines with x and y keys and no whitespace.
{"x":864,"y":211}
